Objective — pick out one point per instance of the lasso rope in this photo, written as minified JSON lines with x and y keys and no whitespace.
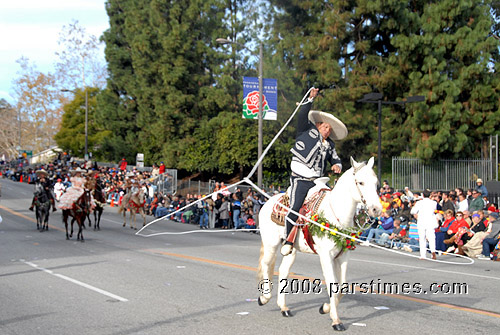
{"x":247,"y":180}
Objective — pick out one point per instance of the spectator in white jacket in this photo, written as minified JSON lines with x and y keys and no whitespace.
{"x":424,"y":211}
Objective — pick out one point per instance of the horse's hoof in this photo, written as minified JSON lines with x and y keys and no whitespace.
{"x":123,"y":225}
{"x":339,"y":327}
{"x":287,"y":313}
{"x":321,"y":310}
{"x":259,"y":301}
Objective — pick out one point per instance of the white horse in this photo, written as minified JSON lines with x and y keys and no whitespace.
{"x":356,"y":185}
{"x":135,"y":204}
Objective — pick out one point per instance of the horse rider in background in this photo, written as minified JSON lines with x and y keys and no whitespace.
{"x":43,"y":184}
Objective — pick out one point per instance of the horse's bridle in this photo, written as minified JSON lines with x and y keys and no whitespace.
{"x":357,"y":183}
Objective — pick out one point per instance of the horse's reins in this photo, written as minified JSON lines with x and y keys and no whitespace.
{"x":363,"y":200}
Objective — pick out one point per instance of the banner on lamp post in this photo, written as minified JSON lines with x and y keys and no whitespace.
{"x":251,"y":98}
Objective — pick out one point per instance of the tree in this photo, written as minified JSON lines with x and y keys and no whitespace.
{"x":163,"y":74}
{"x":71,"y":136}
{"x":399,"y":49}
{"x":9,"y":133}
{"x":449,"y":60}
{"x":37,"y":105}
{"x":79,"y":64}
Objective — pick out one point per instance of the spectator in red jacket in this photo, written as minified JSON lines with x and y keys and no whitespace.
{"x":123,"y":164}
{"x":162,"y":168}
{"x":459,"y":222}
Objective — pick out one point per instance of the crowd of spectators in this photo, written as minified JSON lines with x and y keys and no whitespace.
{"x":224,"y":209}
{"x":467,"y":223}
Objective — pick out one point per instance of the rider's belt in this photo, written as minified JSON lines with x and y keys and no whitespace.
{"x":304,"y":178}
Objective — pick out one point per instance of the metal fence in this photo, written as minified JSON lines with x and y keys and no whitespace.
{"x":439,"y":175}
{"x":166,"y":182}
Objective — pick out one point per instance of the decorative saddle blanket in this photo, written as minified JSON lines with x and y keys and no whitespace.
{"x":311,"y":205}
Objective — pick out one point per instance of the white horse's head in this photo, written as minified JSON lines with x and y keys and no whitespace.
{"x":366,"y":182}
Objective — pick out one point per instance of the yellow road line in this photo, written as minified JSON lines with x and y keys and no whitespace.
{"x":396,"y":296}
{"x":28,"y":218}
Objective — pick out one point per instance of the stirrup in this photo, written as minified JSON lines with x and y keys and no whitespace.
{"x":286,"y":249}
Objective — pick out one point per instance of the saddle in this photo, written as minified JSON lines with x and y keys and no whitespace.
{"x":313,"y":200}
{"x":311,"y":205}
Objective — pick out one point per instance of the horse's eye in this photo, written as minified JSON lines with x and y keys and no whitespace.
{"x":361,"y":183}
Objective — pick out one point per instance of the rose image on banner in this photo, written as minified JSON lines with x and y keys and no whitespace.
{"x":251,"y":98}
{"x":251,"y":105}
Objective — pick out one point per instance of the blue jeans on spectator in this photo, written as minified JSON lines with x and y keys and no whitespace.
{"x":204,"y":219}
{"x":440,"y":245}
{"x":375,"y":234}
{"x":488,"y":246}
{"x":178,"y":216}
{"x":161,"y":211}
{"x":236,"y":218}
{"x":224,"y":222}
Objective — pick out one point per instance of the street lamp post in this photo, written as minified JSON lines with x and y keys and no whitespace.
{"x":259,"y":144}
{"x":376,"y":98}
{"x":86,"y":118}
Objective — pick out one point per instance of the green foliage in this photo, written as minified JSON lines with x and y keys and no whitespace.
{"x":175,"y":95}
{"x":71,"y":136}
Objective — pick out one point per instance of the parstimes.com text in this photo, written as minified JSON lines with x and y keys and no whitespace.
{"x":375,"y":286}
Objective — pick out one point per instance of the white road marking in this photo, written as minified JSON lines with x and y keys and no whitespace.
{"x":77,"y":282}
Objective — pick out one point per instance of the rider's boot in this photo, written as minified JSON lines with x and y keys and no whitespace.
{"x":32,"y":205}
{"x":287,"y":247}
{"x":53,"y":205}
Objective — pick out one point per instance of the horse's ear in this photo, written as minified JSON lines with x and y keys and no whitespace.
{"x":353,"y":162}
{"x":370,"y":162}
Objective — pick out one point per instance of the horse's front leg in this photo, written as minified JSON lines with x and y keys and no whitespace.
{"x":333,"y":288}
{"x":72,"y":222}
{"x":46,"y":222}
{"x":340,"y":272}
{"x":65,"y":220}
{"x":266,"y":272}
{"x":133,"y":218}
{"x":99,"y":219}
{"x":284,"y":271}
{"x":81,"y":224}
{"x":124,"y":217}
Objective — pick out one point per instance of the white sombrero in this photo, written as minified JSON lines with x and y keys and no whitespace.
{"x":78,"y":169}
{"x":339,"y":130}
{"x":41,"y":171}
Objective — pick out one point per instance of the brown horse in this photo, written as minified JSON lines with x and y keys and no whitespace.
{"x":134,"y":203}
{"x":78,"y":213}
{"x":99,"y":201}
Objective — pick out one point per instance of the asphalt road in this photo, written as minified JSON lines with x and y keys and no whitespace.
{"x":205,"y":283}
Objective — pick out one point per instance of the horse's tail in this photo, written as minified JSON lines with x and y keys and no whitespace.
{"x":270,"y":268}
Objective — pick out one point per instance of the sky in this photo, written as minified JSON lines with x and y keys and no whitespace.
{"x":31,"y":28}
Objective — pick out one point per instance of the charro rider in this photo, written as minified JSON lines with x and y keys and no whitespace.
{"x":75,"y":191}
{"x":313,"y":149}
{"x":43,"y":184}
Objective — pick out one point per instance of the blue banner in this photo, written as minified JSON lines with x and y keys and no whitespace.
{"x":251,"y":98}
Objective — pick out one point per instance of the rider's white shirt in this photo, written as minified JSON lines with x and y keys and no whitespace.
{"x":59,"y":187}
